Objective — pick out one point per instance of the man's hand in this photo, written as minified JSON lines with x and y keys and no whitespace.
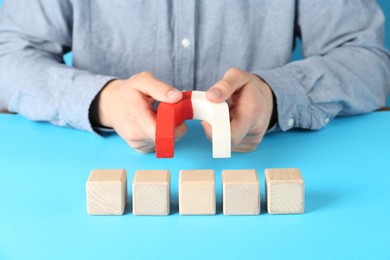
{"x":127,"y":106}
{"x":250,"y":102}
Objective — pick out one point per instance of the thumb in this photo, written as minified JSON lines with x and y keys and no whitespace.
{"x":146,"y":83}
{"x":232,"y":80}
{"x":207,"y":129}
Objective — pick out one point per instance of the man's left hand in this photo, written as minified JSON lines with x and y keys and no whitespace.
{"x":250,"y":102}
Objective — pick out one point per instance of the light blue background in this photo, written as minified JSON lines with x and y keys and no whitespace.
{"x":43,"y":170}
{"x":347,"y":208}
{"x":385,"y":4}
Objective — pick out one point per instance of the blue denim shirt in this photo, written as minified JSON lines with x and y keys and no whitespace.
{"x":190,"y":44}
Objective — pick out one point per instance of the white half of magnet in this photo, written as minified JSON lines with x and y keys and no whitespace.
{"x":217,"y":115}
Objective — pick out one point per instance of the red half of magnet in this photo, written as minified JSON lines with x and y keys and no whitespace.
{"x":169,"y":116}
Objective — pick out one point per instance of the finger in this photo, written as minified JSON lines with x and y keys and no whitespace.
{"x":139,"y":119}
{"x":180,"y":131}
{"x":148,"y":129}
{"x":207,"y":129}
{"x":240,"y":125}
{"x":238,"y":132}
{"x":138,"y":126}
{"x":136,"y":139}
{"x":147,"y":123}
{"x":146,"y":83}
{"x":249,"y":143}
{"x":146,"y":150}
{"x":143,"y":146}
{"x":244,"y":148}
{"x":232,"y":80}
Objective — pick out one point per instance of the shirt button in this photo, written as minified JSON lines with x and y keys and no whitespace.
{"x":185,"y":42}
{"x":290,"y":122}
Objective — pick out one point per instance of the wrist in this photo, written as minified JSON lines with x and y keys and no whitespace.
{"x":274,"y":116}
{"x":99,"y":110}
{"x":273,"y":102}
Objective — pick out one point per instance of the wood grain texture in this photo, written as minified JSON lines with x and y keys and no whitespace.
{"x":197,"y":192}
{"x":284,"y":191}
{"x":106,"y":192}
{"x":151,"y":192}
{"x":241,"y":192}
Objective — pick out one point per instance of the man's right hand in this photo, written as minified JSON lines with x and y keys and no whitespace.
{"x":127,"y":106}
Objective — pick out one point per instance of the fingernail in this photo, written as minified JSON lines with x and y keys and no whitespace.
{"x":173,"y":94}
{"x":216,"y":93}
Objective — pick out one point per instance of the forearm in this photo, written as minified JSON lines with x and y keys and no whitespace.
{"x":33,"y":79}
{"x":40,"y":88}
{"x":311,"y":92}
{"x":346,"y":70}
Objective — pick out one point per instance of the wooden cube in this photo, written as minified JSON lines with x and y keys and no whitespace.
{"x":106,"y":192}
{"x":151,"y":192}
{"x":284,"y":191}
{"x":197,"y":192}
{"x":241,"y":192}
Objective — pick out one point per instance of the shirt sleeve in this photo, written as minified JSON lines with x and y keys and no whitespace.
{"x":346,"y":69}
{"x":34,"y":81}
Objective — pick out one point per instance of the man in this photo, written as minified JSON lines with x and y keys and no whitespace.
{"x":129,"y":54}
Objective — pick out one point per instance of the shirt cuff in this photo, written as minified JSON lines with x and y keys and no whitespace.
{"x":293,"y":104}
{"x":103,"y":131}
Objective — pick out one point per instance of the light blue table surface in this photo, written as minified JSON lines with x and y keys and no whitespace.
{"x":346,"y":168}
